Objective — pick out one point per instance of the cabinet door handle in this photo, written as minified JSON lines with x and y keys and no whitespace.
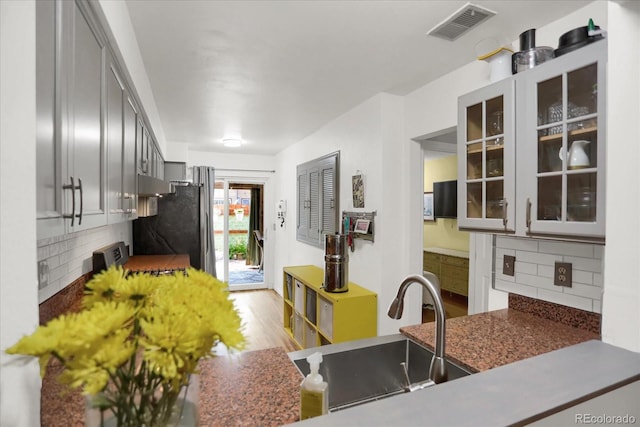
{"x":528,"y":215}
{"x":129,"y":200}
{"x":504,"y":213}
{"x":71,"y":187}
{"x":81,"y":202}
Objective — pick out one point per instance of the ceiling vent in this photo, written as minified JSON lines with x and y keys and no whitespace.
{"x":461,"y":21}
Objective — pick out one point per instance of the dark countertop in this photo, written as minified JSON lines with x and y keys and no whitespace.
{"x":157,"y":262}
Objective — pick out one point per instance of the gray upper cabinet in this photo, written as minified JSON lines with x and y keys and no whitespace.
{"x":159,"y":165}
{"x":531,"y":151}
{"x":71,"y":193}
{"x":486,"y":158}
{"x":83,"y":68}
{"x":149,"y":159}
{"x":317,"y":199}
{"x":561,"y":158}
{"x":121,"y":118}
{"x":142,"y":143}
{"x":129,"y":168}
{"x":115,"y":144}
{"x":49,"y":206}
{"x":91,"y":136}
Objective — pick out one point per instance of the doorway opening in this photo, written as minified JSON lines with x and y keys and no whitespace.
{"x":445,"y":248}
{"x":238,"y":229}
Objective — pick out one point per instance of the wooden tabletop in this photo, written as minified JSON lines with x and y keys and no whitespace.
{"x":157,"y":262}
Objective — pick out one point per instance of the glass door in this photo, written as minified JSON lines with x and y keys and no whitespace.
{"x":566,"y":189}
{"x":220,"y":228}
{"x":239,"y":249}
{"x":486,"y":156}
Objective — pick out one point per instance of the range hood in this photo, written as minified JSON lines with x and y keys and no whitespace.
{"x":149,"y":186}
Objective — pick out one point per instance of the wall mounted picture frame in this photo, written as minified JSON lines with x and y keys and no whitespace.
{"x":361,"y":226}
{"x":357,"y":183}
{"x":427,"y":209}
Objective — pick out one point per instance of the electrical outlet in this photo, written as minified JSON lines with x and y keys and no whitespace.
{"x":43,"y":274}
{"x":508,"y":265}
{"x":562,"y":274}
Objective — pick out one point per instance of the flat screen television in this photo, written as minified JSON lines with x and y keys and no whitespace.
{"x":445,"y":199}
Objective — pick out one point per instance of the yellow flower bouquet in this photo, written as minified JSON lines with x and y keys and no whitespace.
{"x":137,"y":340}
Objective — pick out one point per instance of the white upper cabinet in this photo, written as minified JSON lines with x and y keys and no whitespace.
{"x":531,"y":151}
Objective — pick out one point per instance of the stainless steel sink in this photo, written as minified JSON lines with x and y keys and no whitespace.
{"x":365,"y":370}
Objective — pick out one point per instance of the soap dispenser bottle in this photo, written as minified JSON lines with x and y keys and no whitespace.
{"x":314,"y":392}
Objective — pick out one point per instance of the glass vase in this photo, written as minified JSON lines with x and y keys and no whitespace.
{"x":184,"y":412}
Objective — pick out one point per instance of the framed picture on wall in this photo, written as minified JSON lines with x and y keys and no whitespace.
{"x":362,"y":226}
{"x":427,"y":209}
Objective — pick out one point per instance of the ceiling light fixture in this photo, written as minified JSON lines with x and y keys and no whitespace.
{"x":232,"y":142}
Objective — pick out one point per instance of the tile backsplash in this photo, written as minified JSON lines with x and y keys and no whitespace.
{"x":63,"y":259}
{"x":534,"y":271}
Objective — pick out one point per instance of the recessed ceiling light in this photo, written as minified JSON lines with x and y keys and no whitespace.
{"x":232,"y":142}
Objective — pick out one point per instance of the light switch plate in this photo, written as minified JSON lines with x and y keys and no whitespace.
{"x":562,"y":274}
{"x":509,"y":265}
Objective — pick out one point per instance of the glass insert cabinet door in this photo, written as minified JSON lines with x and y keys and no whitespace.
{"x":486,"y":158}
{"x":565,"y":178}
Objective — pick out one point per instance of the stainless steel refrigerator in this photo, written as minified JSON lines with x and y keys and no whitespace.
{"x":183,"y":225}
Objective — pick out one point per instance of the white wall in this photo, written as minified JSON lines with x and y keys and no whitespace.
{"x":434,"y":106}
{"x":20,"y":385}
{"x":228,"y":160}
{"x":370,"y":139}
{"x":621,"y":299}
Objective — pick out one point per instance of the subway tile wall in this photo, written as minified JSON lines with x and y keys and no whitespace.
{"x":534,"y":266}
{"x":63,"y":259}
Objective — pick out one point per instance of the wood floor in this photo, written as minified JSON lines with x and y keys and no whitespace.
{"x":454,"y":306}
{"x":261,"y":313}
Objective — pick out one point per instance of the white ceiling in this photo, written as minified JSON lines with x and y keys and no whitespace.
{"x":276,"y":71}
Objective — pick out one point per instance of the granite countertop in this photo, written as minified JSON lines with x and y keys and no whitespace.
{"x":257,"y":388}
{"x":488,"y":340}
{"x":261,"y":387}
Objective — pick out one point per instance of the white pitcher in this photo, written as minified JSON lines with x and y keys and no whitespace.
{"x":577,"y":158}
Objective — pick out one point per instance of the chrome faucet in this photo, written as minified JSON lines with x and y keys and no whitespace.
{"x":438,"y":369}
